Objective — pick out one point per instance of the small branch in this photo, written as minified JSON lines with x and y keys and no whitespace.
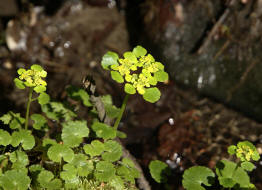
{"x":215,"y":28}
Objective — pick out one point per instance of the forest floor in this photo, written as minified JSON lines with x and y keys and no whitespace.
{"x":183,"y":129}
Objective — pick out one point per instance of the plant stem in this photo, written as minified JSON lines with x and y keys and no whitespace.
{"x":122,"y":109}
{"x":28,"y":107}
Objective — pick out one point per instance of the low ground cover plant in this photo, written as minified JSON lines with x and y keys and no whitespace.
{"x":56,"y":149}
{"x":227,"y":175}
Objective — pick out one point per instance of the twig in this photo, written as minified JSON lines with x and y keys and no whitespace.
{"x":215,"y":28}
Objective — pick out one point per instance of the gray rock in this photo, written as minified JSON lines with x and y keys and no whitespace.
{"x":213,"y":48}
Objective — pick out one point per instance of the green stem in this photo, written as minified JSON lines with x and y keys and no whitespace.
{"x":28,"y":107}
{"x":122,"y":109}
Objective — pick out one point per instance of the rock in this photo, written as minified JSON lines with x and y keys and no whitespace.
{"x":212,"y":47}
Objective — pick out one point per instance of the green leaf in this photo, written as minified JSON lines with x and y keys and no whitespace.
{"x":34,"y":172}
{"x":159,"y":171}
{"x":48,"y":110}
{"x":228,"y":169}
{"x":104,"y":171}
{"x":69,"y":172}
{"x":231,"y":149}
{"x":20,"y":160}
{"x":161,"y":76}
{"x":59,"y":151}
{"x":117,"y":76}
{"x":6,"y":118}
{"x":14,"y":180}
{"x":5,"y":138}
{"x":79,"y":95}
{"x":23,"y":137}
{"x":39,"y":121}
{"x":73,"y":132}
{"x":19,"y":84}
{"x":113,"y":151}
{"x":36,"y":67}
{"x":152,"y":95}
{"x":39,"y":89}
{"x":194,"y":177}
{"x":139,"y":51}
{"x":47,"y":181}
{"x":83,"y":166}
{"x":111,"y":110}
{"x":120,"y":134}
{"x":62,"y":111}
{"x":48,"y":142}
{"x":103,"y":131}
{"x":248,"y":166}
{"x":129,"y":89}
{"x":246,"y":151}
{"x":130,"y":56}
{"x":17,"y":121}
{"x":117,"y":183}
{"x":43,"y":98}
{"x":20,"y":71}
{"x":128,"y":170}
{"x":95,"y":148}
{"x":110,"y":58}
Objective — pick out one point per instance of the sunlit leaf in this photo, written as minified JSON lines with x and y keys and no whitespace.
{"x":129,"y":89}
{"x":19,"y":84}
{"x":196,"y":176}
{"x":23,"y":137}
{"x":58,"y":151}
{"x":5,"y":138}
{"x":117,"y":76}
{"x":43,"y":98}
{"x":14,"y":180}
{"x":159,"y":171}
{"x":113,"y":151}
{"x":73,"y":132}
{"x":47,"y":181}
{"x":226,"y":169}
{"x":104,"y":131}
{"x":95,"y":148}
{"x":152,"y":95}
{"x":110,"y":58}
{"x":139,"y":51}
{"x":104,"y":171}
{"x":39,"y":121}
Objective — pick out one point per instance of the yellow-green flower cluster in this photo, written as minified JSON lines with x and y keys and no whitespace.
{"x":139,"y":71}
{"x":244,"y":152}
{"x":31,"y":78}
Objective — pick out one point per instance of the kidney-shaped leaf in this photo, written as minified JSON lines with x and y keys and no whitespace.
{"x":159,"y":171}
{"x":59,"y":151}
{"x":5,"y":138}
{"x":47,"y":181}
{"x":152,"y":95}
{"x":14,"y":180}
{"x":23,"y":137}
{"x":103,"y":131}
{"x":113,"y":151}
{"x":194,"y":177}
{"x":73,"y":132}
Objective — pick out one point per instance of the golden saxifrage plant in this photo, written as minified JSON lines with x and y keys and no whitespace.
{"x":76,"y":153}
